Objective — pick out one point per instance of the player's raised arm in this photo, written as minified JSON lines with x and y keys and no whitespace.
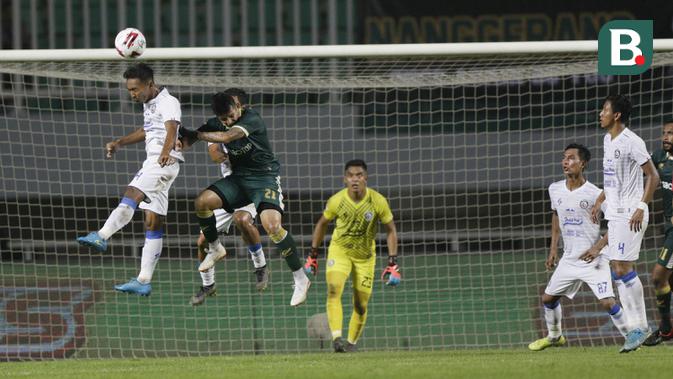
{"x":222,"y":137}
{"x":131,"y":138}
{"x":552,"y":258}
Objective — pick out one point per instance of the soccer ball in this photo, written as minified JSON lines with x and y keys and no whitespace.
{"x":130,"y":43}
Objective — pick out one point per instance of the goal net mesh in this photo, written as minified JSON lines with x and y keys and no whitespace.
{"x":464,"y":149}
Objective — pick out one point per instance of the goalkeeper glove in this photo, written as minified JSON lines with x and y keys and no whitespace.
{"x":311,"y":265}
{"x":391,"y":275}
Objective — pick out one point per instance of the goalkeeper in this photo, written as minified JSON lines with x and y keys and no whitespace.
{"x":357,"y":210}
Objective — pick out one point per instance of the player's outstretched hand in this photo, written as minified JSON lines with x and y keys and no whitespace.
{"x":391,"y":275}
{"x":111,"y":148}
{"x":311,"y":265}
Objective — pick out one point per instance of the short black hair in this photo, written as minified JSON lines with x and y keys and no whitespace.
{"x":620,"y":104}
{"x":222,"y":103}
{"x":582,"y":150}
{"x":356,"y":163}
{"x":239,"y":93}
{"x":140,"y":71}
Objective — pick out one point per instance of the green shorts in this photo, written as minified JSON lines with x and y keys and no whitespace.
{"x":238,"y":191}
{"x":666,"y":252}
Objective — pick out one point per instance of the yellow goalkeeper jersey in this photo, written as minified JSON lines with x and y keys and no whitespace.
{"x":357,"y":223}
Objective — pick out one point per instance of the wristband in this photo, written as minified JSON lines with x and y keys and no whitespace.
{"x":392,"y":260}
{"x":642,"y":205}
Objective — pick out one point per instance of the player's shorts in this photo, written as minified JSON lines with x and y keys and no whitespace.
{"x":666,"y":252}
{"x":155,"y":181}
{"x":568,"y":278}
{"x":623,"y":243}
{"x":362,"y":268}
{"x":239,"y":191}
{"x":223,"y":219}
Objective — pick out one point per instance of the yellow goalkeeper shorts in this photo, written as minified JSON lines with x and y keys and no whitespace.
{"x":339,"y":260}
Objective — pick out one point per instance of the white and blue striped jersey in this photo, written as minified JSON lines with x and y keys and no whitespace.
{"x":622,"y":174}
{"x":164,"y":107}
{"x":574,"y":212}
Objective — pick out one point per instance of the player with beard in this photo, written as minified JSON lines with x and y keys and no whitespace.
{"x":661,"y":274}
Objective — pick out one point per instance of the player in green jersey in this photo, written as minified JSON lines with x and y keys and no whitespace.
{"x":255,"y":179}
{"x":661,"y":274}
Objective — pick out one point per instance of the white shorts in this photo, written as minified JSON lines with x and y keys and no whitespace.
{"x":568,"y":278}
{"x":624,"y":244}
{"x":155,"y":181}
{"x":223,"y":219}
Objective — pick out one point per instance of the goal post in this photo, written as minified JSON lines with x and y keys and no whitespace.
{"x":463,"y":140}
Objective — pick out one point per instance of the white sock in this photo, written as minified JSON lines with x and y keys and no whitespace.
{"x":208,"y":277}
{"x":299,"y":276}
{"x":151,"y":253}
{"x":553,"y":319}
{"x":633,"y":301}
{"x":257,"y":255}
{"x":619,"y":319}
{"x":118,"y":218}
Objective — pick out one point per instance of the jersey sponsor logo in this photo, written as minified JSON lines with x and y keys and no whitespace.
{"x":245,"y":149}
{"x":584,"y":204}
{"x":667,"y":185}
{"x":572,"y":221}
{"x":608,"y":169}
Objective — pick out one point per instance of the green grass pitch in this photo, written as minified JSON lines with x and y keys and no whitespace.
{"x":567,"y":363}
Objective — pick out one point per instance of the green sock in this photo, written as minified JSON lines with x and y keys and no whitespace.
{"x":208,"y":227}
{"x":288,"y":249}
{"x":664,"y":306}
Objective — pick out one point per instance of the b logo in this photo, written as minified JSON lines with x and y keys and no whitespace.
{"x":625,"y":47}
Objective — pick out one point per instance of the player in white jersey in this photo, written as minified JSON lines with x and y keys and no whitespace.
{"x":625,"y":159}
{"x":571,"y":203}
{"x":148,"y":189}
{"x":242,"y":217}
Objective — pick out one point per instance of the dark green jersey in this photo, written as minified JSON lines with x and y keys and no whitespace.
{"x":252,"y":154}
{"x":664,"y":164}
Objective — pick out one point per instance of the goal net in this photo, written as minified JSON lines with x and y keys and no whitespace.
{"x":463,"y":146}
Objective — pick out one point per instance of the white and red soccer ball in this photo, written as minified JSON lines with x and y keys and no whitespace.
{"x":130,"y":43}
